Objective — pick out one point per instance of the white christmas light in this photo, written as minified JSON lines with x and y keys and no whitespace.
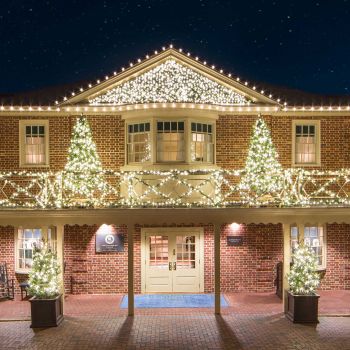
{"x":170,"y":82}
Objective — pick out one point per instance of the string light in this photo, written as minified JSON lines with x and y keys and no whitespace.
{"x":170,"y":82}
{"x":304,"y":278}
{"x":151,"y":188}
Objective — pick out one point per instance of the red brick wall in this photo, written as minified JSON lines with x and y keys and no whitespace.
{"x":108,"y":133}
{"x":337,"y":274}
{"x":232,"y":140}
{"x":250,"y":267}
{"x":7,"y":255}
{"x":247,"y":268}
{"x":92,"y":273}
{"x":233,"y":137}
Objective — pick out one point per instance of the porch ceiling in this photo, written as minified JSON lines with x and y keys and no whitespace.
{"x":160,"y":216}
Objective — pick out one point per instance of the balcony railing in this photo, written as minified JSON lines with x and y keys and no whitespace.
{"x":175,"y":188}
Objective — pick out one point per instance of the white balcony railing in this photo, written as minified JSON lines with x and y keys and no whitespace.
{"x":175,"y":188}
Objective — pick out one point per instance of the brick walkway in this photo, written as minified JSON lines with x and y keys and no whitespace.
{"x":179,"y":332}
{"x":253,"y":321}
{"x":331,"y":303}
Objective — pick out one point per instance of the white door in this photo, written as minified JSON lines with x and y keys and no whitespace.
{"x":158,"y":278}
{"x":186,"y":262}
{"x":172,"y":260}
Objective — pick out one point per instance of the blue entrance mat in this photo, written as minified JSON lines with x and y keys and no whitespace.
{"x":145,"y":301}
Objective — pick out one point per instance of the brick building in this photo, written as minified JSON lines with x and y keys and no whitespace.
{"x":173,"y":136}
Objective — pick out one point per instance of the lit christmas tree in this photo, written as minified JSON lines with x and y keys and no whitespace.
{"x":263,"y":172}
{"x":44,"y":278}
{"x":303,"y":278}
{"x":83,"y":172}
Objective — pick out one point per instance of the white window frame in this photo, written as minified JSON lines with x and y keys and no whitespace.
{"x":22,"y":136}
{"x":317,"y":125}
{"x":133,"y":122}
{"x":301,"y":228}
{"x":44,"y":231}
{"x":153,"y":141}
{"x":185,"y":140}
{"x":213,"y":133}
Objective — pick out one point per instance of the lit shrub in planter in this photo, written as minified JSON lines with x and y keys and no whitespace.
{"x":44,"y":286}
{"x":303,"y":279}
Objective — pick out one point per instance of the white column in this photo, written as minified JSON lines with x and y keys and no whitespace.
{"x":217,"y":234}
{"x":286,"y":261}
{"x":60,"y":255}
{"x":130,"y":232}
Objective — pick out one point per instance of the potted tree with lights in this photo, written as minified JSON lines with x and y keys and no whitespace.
{"x":303,"y":279}
{"x":45,"y":287}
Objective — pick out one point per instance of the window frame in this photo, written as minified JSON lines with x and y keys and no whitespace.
{"x":44,"y":232}
{"x":187,"y":140}
{"x":133,"y":122}
{"x":317,"y":125}
{"x":213,"y":133}
{"x":301,"y":231}
{"x":22,"y":134}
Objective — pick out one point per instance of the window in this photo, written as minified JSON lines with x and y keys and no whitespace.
{"x":27,"y":238}
{"x":311,"y":236}
{"x":186,"y":252}
{"x":170,"y":141}
{"x":139,"y":143}
{"x":158,"y":251}
{"x":202,"y":146}
{"x":306,"y":143}
{"x":33,"y":142}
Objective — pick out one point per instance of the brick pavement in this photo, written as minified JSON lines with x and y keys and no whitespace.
{"x":163,"y":332}
{"x":331,"y":303}
{"x":254,"y":321}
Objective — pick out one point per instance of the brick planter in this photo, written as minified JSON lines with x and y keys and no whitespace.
{"x":302,"y":308}
{"x":46,"y":312}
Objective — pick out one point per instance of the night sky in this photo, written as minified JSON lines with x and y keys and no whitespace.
{"x":298,"y":44}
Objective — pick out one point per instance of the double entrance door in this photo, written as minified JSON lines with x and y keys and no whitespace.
{"x":171,"y":260}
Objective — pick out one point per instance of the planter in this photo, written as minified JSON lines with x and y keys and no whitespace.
{"x":46,"y":312}
{"x":302,"y":308}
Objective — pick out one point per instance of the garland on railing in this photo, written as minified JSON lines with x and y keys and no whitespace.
{"x":174,"y":188}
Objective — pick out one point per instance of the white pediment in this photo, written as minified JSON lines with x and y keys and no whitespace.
{"x":170,"y":82}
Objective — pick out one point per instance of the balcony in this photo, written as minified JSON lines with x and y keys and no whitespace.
{"x":174,"y":188}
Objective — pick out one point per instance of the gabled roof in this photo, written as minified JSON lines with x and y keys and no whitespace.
{"x":170,"y":76}
{"x":84,"y":92}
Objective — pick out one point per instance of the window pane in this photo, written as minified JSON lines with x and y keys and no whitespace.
{"x":34,"y":148}
{"x":139,"y":146}
{"x":201,"y":145}
{"x":186,"y":255}
{"x":313,"y":237}
{"x":158,"y":251}
{"x":171,"y":143}
{"x":305,"y":144}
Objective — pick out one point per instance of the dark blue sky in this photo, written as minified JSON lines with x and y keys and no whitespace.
{"x":299,"y":44}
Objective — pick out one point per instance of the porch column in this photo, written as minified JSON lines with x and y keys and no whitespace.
{"x":217,"y":233}
{"x":130,"y":232}
{"x":286,"y":261}
{"x":60,"y":255}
